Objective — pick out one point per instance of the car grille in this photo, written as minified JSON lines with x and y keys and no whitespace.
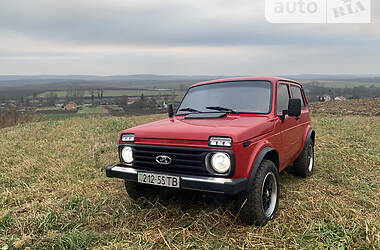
{"x":184,"y":160}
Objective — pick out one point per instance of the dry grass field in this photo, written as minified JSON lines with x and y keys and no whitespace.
{"x":54,"y":193}
{"x":12,"y":118}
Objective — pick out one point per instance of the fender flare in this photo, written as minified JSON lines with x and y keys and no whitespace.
{"x":256,"y":164}
{"x":309,"y":136}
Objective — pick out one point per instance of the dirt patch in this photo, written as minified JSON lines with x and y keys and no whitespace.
{"x":365,"y":107}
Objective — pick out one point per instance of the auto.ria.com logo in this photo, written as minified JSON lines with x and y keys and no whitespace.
{"x":318,"y":11}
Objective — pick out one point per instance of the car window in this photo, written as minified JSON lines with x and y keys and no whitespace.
{"x":296,"y":91}
{"x":282,"y":98}
{"x":241,"y":96}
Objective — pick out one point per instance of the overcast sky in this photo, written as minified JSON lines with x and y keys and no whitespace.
{"x":191,"y":37}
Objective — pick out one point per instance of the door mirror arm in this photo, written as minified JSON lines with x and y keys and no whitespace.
{"x":170,"y":110}
{"x":282,"y":116}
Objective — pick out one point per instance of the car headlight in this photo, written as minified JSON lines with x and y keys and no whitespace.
{"x":128,"y":137}
{"x":127,"y":154}
{"x":221,"y":162}
{"x":220,"y":142}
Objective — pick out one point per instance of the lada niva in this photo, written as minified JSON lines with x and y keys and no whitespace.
{"x":230,"y":136}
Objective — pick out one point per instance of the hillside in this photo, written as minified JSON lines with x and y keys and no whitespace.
{"x":54,"y":193}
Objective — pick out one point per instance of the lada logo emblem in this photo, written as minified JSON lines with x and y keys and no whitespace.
{"x":163,"y":159}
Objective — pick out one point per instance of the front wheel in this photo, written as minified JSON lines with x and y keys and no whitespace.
{"x":260,"y":204}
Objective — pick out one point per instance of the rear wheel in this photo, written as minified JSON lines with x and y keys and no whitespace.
{"x":260,"y":204}
{"x":304,"y":165}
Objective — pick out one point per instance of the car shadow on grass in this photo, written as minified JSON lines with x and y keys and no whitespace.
{"x":186,"y":199}
{"x":195,"y":202}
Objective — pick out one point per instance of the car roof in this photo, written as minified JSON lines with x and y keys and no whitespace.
{"x":271,"y":79}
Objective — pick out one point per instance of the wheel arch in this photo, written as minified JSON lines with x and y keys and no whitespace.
{"x":267,"y":153}
{"x":310,"y":136}
{"x":273,"y":156}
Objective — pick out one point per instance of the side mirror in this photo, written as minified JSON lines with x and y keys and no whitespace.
{"x":294,"y":107}
{"x":170,"y":110}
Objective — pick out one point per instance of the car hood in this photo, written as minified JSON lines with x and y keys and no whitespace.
{"x":239,"y":128}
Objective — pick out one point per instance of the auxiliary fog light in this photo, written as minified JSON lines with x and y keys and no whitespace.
{"x":220,"y":142}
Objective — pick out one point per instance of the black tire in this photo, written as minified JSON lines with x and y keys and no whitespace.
{"x":260,"y":204}
{"x":304,"y":165}
{"x":136,"y":190}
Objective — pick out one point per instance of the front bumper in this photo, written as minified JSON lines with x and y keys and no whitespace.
{"x":188,"y":182}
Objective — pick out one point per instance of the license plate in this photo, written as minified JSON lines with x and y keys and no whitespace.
{"x":158,"y":179}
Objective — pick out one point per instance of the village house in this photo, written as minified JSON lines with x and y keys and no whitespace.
{"x":340,"y":98}
{"x":324,"y":98}
{"x":71,"y":106}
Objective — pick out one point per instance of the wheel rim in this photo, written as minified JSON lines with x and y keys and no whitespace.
{"x":269,"y":194}
{"x":310,"y":158}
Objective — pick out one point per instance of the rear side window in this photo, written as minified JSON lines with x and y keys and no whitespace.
{"x":296,"y":91}
{"x":282,"y":98}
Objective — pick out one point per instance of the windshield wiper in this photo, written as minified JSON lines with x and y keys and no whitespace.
{"x":190,"y":110}
{"x":219,"y":108}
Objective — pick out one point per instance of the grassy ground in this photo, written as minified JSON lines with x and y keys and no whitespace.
{"x":85,"y":112}
{"x":54,"y":193}
{"x":91,"y":110}
{"x":49,"y":108}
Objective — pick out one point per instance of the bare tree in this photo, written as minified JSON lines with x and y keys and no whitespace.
{"x":92,"y":93}
{"x":51,"y":99}
{"x":34,"y":97}
{"x":100,"y":93}
{"x":75,"y":94}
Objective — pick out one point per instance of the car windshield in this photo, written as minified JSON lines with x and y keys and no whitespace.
{"x":239,"y":96}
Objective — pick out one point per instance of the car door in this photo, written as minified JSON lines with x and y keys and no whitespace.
{"x":290,"y":137}
{"x":304,"y":119}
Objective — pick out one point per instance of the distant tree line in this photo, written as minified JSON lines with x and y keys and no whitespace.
{"x":145,"y":103}
{"x":77,"y":95}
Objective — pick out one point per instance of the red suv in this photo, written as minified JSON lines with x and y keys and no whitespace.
{"x":230,"y":136}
